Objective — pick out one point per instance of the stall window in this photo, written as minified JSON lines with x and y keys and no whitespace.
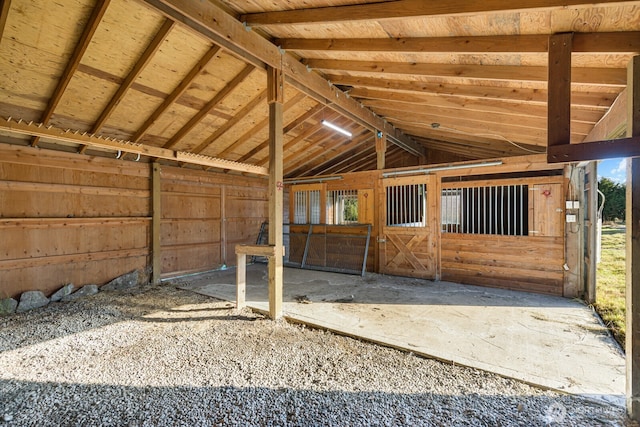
{"x":306,"y":207}
{"x":407,"y":205}
{"x":498,"y":209}
{"x":342,"y":207}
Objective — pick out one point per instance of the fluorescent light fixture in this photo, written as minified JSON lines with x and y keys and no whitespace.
{"x":337,"y":128}
{"x":441,"y":168}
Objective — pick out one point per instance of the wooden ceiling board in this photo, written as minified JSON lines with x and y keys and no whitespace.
{"x":24,"y":81}
{"x":175,"y":58}
{"x":214,"y":77}
{"x":132,"y":111}
{"x":126,"y":30}
{"x":37,"y":42}
{"x":478,"y":97}
{"x":85,"y":98}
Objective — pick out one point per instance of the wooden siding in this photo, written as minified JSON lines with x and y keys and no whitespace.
{"x":204,"y":215}
{"x":70,"y":218}
{"x":66,"y":218}
{"x":524,"y":263}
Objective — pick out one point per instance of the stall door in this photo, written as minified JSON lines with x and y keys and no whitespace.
{"x":407,"y":239}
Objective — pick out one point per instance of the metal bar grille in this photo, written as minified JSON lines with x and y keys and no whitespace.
{"x":499,"y":209}
{"x":306,"y":207}
{"x":406,"y":205}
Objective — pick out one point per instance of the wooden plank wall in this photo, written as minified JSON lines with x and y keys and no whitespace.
{"x":528,"y":263}
{"x":525,"y":263}
{"x":70,"y":218}
{"x":204,"y":215}
{"x":67,"y":218}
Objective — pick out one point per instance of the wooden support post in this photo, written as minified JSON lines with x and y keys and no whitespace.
{"x":241,"y":280}
{"x":156,"y":199}
{"x":276,"y":188}
{"x":633,"y":248}
{"x":559,"y":98}
{"x":381,"y":148}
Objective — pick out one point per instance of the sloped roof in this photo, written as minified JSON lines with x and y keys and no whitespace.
{"x":460,"y":78}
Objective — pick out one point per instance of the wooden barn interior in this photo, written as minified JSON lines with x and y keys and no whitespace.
{"x":447,"y":141}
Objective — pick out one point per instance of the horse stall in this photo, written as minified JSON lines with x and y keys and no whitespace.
{"x":508,"y":223}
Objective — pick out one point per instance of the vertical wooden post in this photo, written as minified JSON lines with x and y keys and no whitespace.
{"x":241,"y":280}
{"x":559,"y":89}
{"x":573,"y":272}
{"x":156,"y":200}
{"x":223,"y":225}
{"x":381,"y":148}
{"x":275,"y":83}
{"x":633,"y":247}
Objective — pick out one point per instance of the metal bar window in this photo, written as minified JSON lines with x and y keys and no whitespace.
{"x":407,"y":205}
{"x":498,"y":209}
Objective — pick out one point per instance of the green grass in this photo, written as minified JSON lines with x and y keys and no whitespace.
{"x":610,"y":288}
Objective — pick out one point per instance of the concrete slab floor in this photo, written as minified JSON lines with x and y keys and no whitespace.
{"x":547,"y":341}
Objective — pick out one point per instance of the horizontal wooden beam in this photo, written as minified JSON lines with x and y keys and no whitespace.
{"x":399,"y":9}
{"x":97,"y":141}
{"x":597,"y":150}
{"x":628,"y":41}
{"x":226,"y":31}
{"x":608,"y":76}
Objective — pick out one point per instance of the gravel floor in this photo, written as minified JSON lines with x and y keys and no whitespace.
{"x":159,"y":356}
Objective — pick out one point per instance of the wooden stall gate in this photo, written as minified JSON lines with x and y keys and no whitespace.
{"x":407,"y":242}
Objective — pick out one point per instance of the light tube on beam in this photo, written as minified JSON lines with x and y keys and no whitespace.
{"x":337,"y":128}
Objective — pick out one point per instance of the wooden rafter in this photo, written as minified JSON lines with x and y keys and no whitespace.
{"x":476,"y":149}
{"x":291,"y":126}
{"x":221,"y":28}
{"x":357,"y":161}
{"x":140,"y":65}
{"x":607,"y":76}
{"x":259,"y":127}
{"x":614,"y":123}
{"x":338,"y":161}
{"x":72,"y":65}
{"x":5,"y":5}
{"x":584,"y":42}
{"x":509,"y":122}
{"x":177,"y":92}
{"x":293,"y":142}
{"x":329,"y":152}
{"x":237,"y":117}
{"x":60,"y":135}
{"x":400,"y":101}
{"x":322,"y":138}
{"x":432,"y":123}
{"x":397,"y":9}
{"x":319,"y":148}
{"x":219,"y":97}
{"x":591,"y":98}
